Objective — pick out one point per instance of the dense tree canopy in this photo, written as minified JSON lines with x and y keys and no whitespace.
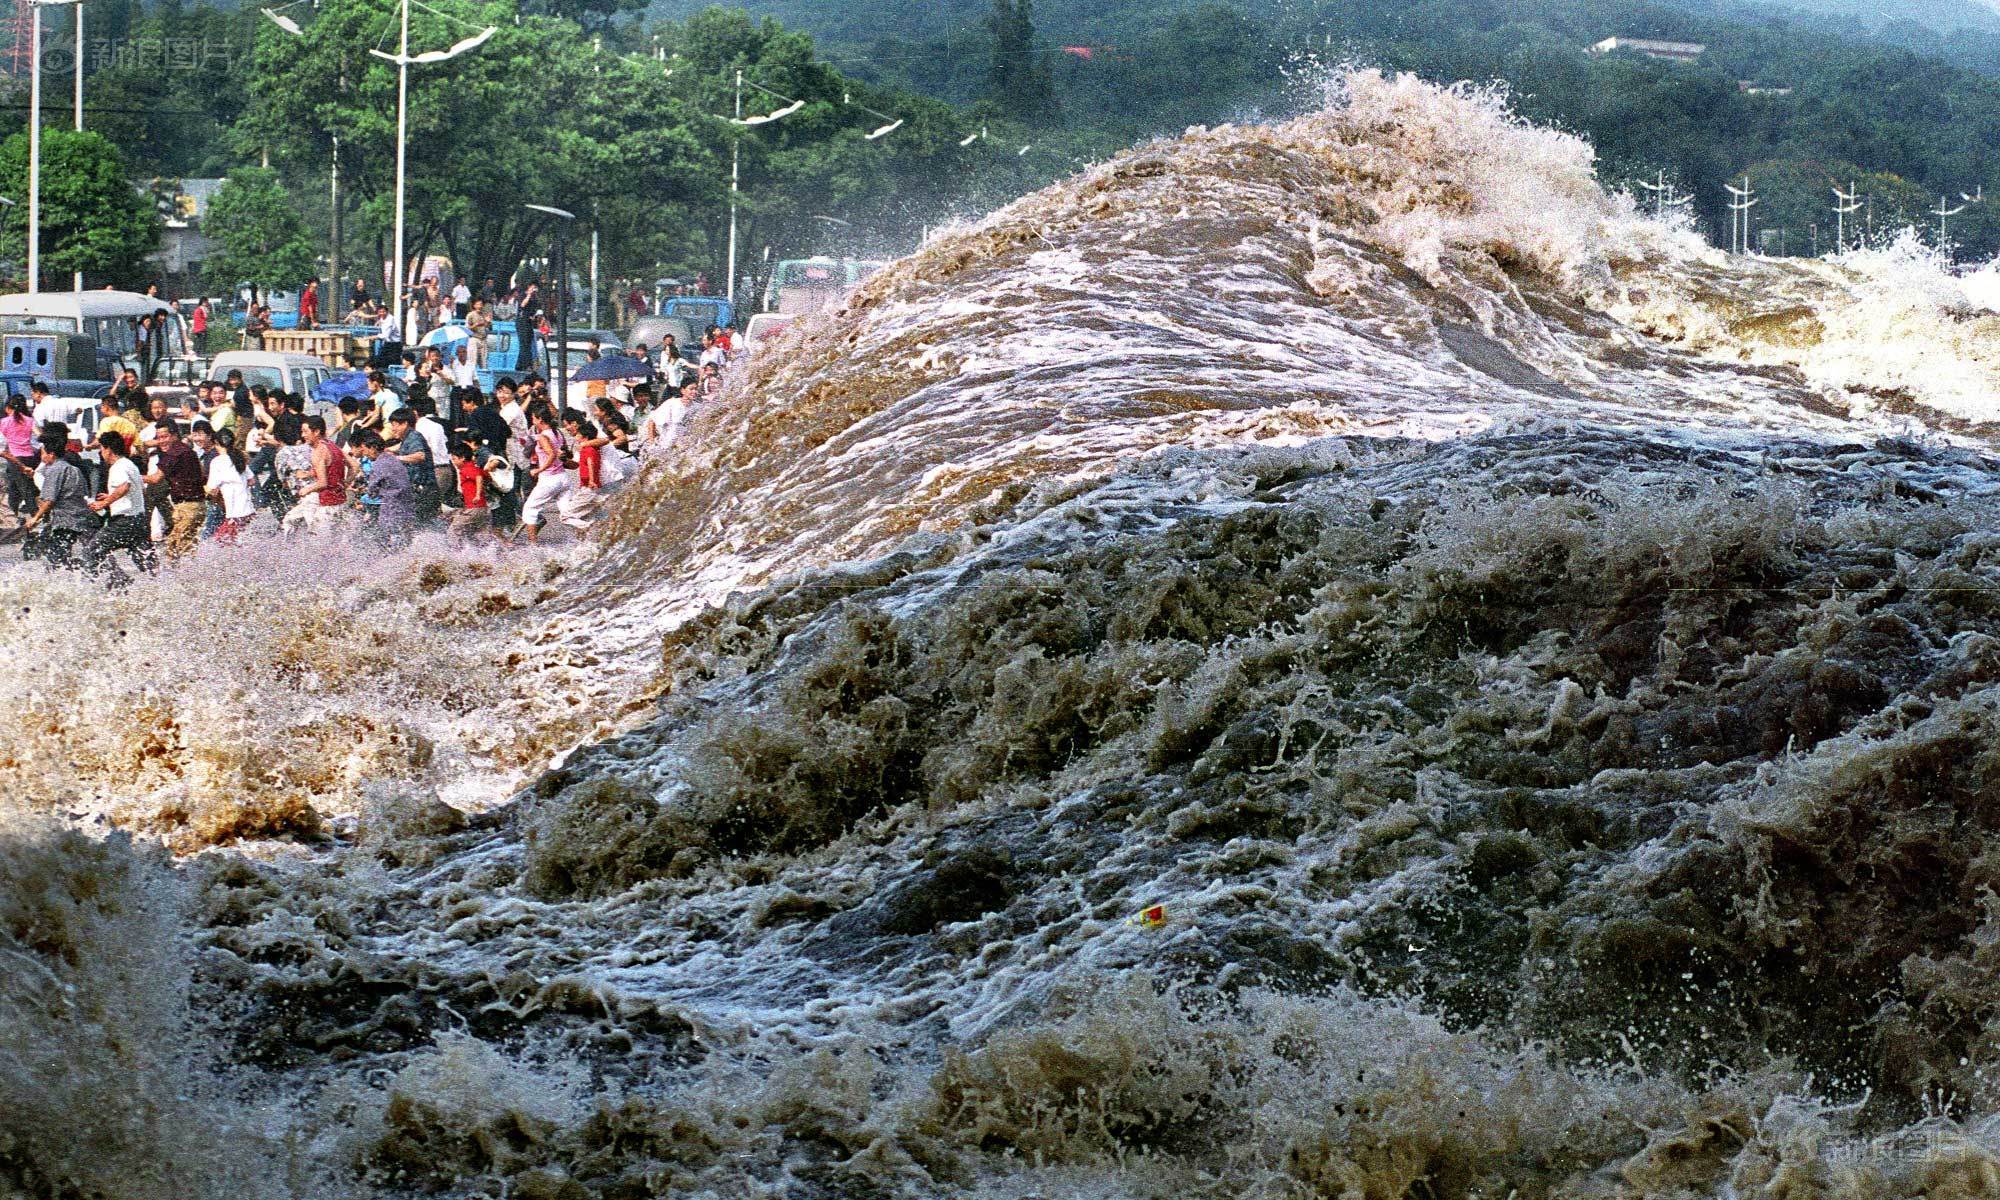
{"x":262,"y":238}
{"x":584,"y":104}
{"x":93,"y":219}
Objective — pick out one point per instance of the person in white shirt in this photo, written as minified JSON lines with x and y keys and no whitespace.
{"x":381,"y":401}
{"x":663,"y":424}
{"x":519,"y":438}
{"x":49,"y":409}
{"x":124,"y":507}
{"x":439,"y":444}
{"x":388,"y":337}
{"x":463,"y":373}
{"x":227,"y":485}
{"x":461,"y":298}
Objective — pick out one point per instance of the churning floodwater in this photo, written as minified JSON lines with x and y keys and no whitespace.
{"x":1539,"y":677}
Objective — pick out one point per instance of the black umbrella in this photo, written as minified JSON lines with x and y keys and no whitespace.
{"x":613,"y":366}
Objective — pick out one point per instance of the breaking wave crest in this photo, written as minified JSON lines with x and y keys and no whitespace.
{"x":1541,"y":675}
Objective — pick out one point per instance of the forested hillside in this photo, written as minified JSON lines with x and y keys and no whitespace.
{"x":1905,"y":125}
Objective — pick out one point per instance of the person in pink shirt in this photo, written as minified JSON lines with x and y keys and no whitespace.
{"x":17,"y":438}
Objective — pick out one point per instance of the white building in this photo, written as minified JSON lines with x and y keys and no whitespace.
{"x":1673,"y":51}
{"x":183,"y":247}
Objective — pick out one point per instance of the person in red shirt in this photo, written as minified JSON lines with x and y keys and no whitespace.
{"x":475,"y":517}
{"x":309,"y":304}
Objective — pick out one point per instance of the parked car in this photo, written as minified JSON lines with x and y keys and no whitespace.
{"x":580,"y":339}
{"x":652,"y":333}
{"x":702,"y":311}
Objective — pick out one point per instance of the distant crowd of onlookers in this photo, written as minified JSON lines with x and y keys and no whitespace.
{"x":160,"y":478}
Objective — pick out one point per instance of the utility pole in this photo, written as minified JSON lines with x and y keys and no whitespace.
{"x":1666,"y":196}
{"x":402,"y":163}
{"x":336,"y":290}
{"x":334,"y":267}
{"x":1845,"y":204}
{"x":1941,"y":212}
{"x":1745,"y":200}
{"x":736,"y":162}
{"x":35,"y":153}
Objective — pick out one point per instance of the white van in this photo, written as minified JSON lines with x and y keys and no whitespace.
{"x":300,"y":374}
{"x":765,"y":326}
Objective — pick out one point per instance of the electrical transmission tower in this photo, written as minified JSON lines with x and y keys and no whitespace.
{"x":17,"y":41}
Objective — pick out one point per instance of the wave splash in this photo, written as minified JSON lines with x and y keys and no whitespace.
{"x":1545,"y":668}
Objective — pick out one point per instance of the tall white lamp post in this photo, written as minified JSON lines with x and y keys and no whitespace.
{"x":736,"y":161}
{"x":403,"y":60}
{"x":77,"y":281}
{"x":35,"y":142}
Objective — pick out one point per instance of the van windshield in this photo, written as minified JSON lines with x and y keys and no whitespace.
{"x":269,"y":377}
{"x":39,"y":324}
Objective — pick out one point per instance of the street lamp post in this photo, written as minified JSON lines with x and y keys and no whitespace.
{"x":736,"y":162}
{"x":403,"y":59}
{"x":77,"y":281}
{"x":735,"y":188}
{"x":561,"y":257}
{"x":35,"y":142}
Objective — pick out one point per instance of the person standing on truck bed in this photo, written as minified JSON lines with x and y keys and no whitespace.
{"x":526,"y":313}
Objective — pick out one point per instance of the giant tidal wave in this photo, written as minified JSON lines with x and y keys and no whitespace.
{"x":1545,"y":673}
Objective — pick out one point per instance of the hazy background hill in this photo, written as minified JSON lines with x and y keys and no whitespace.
{"x":1900,"y":97}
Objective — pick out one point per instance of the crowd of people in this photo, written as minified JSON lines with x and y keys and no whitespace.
{"x":158,"y":479}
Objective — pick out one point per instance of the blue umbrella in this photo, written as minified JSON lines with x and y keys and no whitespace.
{"x":613,"y":366}
{"x":340,"y":385}
{"x":446,"y":337}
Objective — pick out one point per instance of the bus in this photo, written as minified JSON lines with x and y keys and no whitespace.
{"x":109,"y":319}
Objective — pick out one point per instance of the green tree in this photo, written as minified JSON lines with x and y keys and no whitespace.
{"x":533,"y":116}
{"x":593,"y":15}
{"x":1020,"y":80}
{"x":263,"y":240}
{"x":93,"y":220}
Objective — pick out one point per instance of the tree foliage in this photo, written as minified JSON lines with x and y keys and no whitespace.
{"x":637,"y":146}
{"x":92,"y":218}
{"x":1018,"y":78}
{"x":262,"y":238}
{"x":1912,"y":110}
